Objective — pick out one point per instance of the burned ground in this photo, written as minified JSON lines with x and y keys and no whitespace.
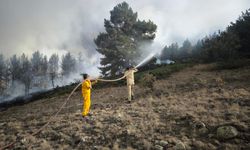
{"x":188,"y":110}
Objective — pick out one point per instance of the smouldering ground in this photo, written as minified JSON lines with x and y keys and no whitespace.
{"x":182,"y":112}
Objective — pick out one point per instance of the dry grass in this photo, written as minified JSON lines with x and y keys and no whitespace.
{"x":170,"y":112}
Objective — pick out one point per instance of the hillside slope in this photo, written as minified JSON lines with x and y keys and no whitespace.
{"x":196,"y":108}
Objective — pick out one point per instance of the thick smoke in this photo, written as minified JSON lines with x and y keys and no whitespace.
{"x":30,"y":25}
{"x":62,"y":26}
{"x":43,"y":82}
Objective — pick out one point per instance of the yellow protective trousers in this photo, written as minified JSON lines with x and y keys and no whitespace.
{"x":86,"y":104}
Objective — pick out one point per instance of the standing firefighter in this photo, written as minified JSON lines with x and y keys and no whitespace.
{"x":129,"y":73}
{"x":86,"y":93}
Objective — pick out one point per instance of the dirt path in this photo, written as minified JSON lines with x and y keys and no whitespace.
{"x":183,"y":112}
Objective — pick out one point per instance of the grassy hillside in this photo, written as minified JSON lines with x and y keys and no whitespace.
{"x":195,"y":108}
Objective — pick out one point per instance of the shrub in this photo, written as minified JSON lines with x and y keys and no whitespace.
{"x":233,"y":64}
{"x":147,"y":81}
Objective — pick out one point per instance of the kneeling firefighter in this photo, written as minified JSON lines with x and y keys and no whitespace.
{"x":129,"y":73}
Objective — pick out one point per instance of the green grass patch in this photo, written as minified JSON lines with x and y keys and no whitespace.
{"x":163,"y":72}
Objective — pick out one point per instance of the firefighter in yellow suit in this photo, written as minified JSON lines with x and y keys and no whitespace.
{"x":86,"y":93}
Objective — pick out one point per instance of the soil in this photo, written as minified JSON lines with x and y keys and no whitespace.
{"x":183,"y":111}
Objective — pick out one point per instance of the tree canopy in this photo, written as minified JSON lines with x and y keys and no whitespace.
{"x":222,"y":46}
{"x":68,"y":64}
{"x":120,"y":44}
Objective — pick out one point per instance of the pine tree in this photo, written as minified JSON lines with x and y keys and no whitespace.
{"x":124,"y":34}
{"x":3,"y":69}
{"x":68,"y":64}
{"x":53,"y":68}
{"x":36,"y":61}
{"x":26,"y":73}
{"x":241,"y":29}
{"x":185,"y":50}
{"x":15,"y":68}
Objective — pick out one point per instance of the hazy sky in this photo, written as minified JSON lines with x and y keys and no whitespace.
{"x":71,"y":25}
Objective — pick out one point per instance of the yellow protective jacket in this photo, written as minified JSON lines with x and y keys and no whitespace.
{"x":86,"y":87}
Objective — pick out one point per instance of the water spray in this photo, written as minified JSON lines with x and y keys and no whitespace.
{"x":145,"y":60}
{"x":149,"y":50}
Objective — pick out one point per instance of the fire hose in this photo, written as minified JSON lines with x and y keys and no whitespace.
{"x":55,"y":115}
{"x":105,"y":80}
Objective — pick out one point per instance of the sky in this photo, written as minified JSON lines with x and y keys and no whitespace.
{"x":60,"y":26}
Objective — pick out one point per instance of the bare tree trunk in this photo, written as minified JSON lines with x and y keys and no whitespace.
{"x":53,"y":82}
{"x":52,"y":79}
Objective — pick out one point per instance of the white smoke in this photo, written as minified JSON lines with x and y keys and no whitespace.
{"x":148,"y":50}
{"x":28,"y":25}
{"x":62,"y":26}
